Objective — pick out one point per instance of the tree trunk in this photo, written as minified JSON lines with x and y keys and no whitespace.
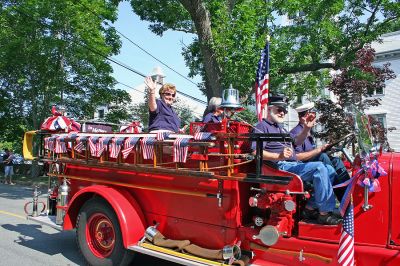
{"x":201,"y":18}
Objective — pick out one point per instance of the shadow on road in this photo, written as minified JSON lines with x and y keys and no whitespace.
{"x":17,"y":192}
{"x":31,"y":236}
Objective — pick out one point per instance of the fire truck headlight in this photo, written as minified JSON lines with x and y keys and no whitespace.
{"x":253,"y":201}
{"x":269,"y":235}
{"x":289,"y":205}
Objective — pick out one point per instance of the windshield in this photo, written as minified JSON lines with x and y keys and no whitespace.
{"x":363,"y":131}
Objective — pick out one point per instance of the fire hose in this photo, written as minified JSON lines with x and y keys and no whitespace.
{"x":231,"y":253}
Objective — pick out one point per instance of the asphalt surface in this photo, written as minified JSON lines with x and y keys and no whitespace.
{"x":24,"y":242}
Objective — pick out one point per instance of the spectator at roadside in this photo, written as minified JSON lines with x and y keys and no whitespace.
{"x":8,"y":158}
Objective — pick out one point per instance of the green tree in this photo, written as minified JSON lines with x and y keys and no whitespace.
{"x":322,"y":35}
{"x":54,"y":52}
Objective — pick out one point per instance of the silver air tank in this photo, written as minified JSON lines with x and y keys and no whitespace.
{"x":62,"y":201}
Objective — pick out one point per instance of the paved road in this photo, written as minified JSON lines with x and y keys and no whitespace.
{"x":23,"y":242}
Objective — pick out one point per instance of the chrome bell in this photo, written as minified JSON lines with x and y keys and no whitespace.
{"x":230,"y":98}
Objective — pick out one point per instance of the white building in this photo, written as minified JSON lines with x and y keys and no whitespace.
{"x":388,"y":112}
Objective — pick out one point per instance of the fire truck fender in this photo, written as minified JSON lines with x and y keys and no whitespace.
{"x":127,"y":209}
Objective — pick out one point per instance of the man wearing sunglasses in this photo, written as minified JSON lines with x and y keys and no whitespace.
{"x":309,"y":152}
{"x":281,"y":155}
{"x":162,"y":117}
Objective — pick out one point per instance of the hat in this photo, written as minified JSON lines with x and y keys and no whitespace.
{"x":278,"y":100}
{"x":306,"y":107}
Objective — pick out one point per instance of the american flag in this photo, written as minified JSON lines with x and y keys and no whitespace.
{"x":198,"y":127}
{"x":79,"y":144}
{"x":262,"y":81}
{"x":60,"y":145}
{"x":115,"y":146}
{"x":202,"y":136}
{"x":147,"y":145}
{"x":49,"y":143}
{"x":129,"y":144}
{"x":93,"y":145}
{"x":72,"y":136}
{"x":181,"y":149}
{"x":102,"y":145}
{"x":346,"y":243}
{"x":162,"y":135}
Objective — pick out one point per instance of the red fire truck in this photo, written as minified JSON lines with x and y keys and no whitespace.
{"x":207,"y":202}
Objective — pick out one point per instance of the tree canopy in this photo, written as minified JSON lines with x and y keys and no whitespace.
{"x":54,"y":52}
{"x":309,"y":38}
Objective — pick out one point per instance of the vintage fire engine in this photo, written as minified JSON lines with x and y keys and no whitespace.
{"x":201,"y":199}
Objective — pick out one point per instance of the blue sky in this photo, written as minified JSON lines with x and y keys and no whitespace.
{"x":166,"y":48}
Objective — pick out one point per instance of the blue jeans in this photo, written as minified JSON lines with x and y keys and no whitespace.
{"x":340,"y":169}
{"x":322,"y":177}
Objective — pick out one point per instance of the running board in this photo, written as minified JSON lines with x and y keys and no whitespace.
{"x":173,"y":256}
{"x":49,"y":220}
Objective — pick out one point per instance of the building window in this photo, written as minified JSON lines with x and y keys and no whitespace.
{"x":101,"y":113}
{"x":381,"y":119}
{"x":376,"y":92}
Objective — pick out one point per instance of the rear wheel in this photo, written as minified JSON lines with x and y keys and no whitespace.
{"x":99,"y":235}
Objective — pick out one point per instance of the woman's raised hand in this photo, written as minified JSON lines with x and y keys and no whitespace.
{"x":150,"y":84}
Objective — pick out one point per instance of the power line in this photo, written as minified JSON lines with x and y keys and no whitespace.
{"x":137,"y":45}
{"x":145,"y":51}
{"x":93,"y":50}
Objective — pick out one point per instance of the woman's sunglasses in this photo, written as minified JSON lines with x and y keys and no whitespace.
{"x":169,"y":94}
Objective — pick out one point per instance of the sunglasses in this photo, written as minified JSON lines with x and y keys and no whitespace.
{"x":169,"y":94}
{"x":281,"y":109}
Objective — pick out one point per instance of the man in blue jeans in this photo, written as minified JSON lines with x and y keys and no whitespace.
{"x":309,"y":152}
{"x":322,"y":203}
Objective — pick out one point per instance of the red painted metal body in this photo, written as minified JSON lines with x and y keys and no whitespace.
{"x":214,"y":211}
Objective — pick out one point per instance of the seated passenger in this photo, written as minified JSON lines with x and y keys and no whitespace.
{"x":309,"y":152}
{"x":213,"y":113}
{"x":162,"y":117}
{"x":322,"y":204}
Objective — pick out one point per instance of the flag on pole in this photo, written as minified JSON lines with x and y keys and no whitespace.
{"x":163,"y":135}
{"x":147,"y":145}
{"x":49,"y":143}
{"x":129,"y":144}
{"x":346,"y":242}
{"x":60,"y":145}
{"x":262,"y":81}
{"x":202,"y":136}
{"x":181,"y":149}
{"x":79,"y":146}
{"x":93,"y":145}
{"x":116,"y":146}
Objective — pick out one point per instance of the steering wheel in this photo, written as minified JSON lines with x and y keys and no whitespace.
{"x":346,"y":140}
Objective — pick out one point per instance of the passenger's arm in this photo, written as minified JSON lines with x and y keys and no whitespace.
{"x":305,"y":156}
{"x":151,"y":92}
{"x":308,"y":122}
{"x":272,"y":156}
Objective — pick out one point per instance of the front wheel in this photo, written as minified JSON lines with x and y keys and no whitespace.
{"x":99,"y":237}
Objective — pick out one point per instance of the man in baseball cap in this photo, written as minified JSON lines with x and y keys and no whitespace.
{"x":309,"y":152}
